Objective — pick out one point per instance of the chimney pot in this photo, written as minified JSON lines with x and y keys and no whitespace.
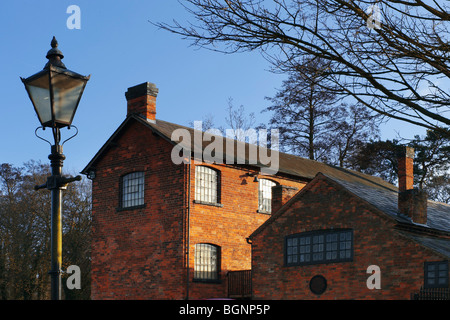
{"x":141,"y":100}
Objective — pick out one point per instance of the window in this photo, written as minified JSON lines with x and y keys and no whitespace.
{"x":132,"y":190}
{"x":265,"y":195}
{"x":206,"y":185}
{"x":207,"y":262}
{"x":319,"y":247}
{"x":436,"y":274}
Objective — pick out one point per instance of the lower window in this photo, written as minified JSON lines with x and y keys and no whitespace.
{"x":207,"y":262}
{"x":436,"y":274}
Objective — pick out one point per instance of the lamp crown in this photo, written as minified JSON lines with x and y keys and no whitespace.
{"x":54,"y":55}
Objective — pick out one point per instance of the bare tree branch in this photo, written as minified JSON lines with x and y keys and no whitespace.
{"x":396,"y":67}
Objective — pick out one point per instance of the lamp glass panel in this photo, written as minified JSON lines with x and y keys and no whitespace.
{"x":38,"y":90}
{"x":66,"y":95}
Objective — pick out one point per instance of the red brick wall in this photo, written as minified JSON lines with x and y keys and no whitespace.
{"x":323,"y":206}
{"x":227,"y":226}
{"x":139,"y":254}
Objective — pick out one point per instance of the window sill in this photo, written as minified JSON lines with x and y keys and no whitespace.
{"x":213,"y":204}
{"x":217,"y":281}
{"x":264,"y":212}
{"x":300,"y":264}
{"x":130,"y":208}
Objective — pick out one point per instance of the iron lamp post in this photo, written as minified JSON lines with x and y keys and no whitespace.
{"x":55,"y":93}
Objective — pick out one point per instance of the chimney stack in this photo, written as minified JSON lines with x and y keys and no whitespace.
{"x":412,"y":202}
{"x":141,"y":100}
{"x":280,"y":195}
{"x":405,"y":169}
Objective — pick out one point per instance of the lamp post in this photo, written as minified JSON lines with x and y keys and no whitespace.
{"x":55,"y":93}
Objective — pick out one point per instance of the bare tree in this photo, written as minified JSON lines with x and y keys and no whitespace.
{"x":431,"y":162}
{"x":354,"y":126}
{"x":313,"y":122}
{"x":25,"y":233}
{"x":303,"y":112}
{"x":238,"y":120}
{"x":392,"y":56}
{"x":207,"y":122}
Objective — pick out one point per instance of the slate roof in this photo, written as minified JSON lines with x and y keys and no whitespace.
{"x":374,"y":190}
{"x":288,"y":164}
{"x":386,"y":199}
{"x":441,"y":246}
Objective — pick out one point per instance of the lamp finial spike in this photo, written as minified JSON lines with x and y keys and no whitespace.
{"x":54,"y":42}
{"x":54,"y":55}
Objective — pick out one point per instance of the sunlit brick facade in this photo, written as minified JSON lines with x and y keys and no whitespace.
{"x":141,"y":252}
{"x":170,"y":229}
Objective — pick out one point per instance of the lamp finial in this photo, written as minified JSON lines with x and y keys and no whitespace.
{"x":54,"y":55}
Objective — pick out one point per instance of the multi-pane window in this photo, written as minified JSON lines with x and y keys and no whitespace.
{"x":132,"y":190}
{"x":436,"y":274}
{"x":319,"y":247}
{"x":207,"y":262}
{"x":265,"y":195}
{"x":206,"y":184}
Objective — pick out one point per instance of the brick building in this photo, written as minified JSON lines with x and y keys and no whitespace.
{"x":165,"y":229}
{"x":341,"y":231}
{"x":152,"y":218}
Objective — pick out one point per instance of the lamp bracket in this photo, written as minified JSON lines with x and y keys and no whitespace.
{"x":56,"y":135}
{"x":71,"y":136}
{"x":35,"y":132}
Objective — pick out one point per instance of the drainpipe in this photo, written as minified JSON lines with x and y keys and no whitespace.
{"x":187,"y":231}
{"x":249,"y":241}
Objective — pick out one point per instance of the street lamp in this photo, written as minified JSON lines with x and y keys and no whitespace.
{"x":55,"y":93}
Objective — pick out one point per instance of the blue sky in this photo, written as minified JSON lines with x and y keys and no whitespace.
{"x":119,"y":48}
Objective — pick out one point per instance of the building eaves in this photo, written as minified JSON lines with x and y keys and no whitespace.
{"x":438,"y":245}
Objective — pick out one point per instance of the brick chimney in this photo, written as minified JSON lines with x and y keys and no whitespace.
{"x":141,"y":100}
{"x":280,"y":195}
{"x":412,"y":202}
{"x":405,"y":169}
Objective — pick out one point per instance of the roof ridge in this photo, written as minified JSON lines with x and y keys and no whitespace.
{"x":319,"y":163}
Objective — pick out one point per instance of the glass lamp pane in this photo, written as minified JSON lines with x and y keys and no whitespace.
{"x":66,"y":95}
{"x":38,"y":90}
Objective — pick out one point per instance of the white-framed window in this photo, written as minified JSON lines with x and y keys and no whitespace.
{"x":265,"y":195}
{"x":132,"y":193}
{"x":207,"y":262}
{"x":206,"y":185}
